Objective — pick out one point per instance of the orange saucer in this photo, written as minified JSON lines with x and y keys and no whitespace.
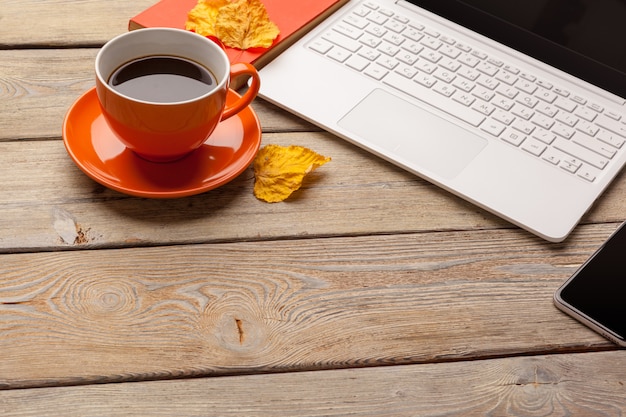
{"x":99,"y":154}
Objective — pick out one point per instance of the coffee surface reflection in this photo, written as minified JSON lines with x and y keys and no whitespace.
{"x":162,"y":79}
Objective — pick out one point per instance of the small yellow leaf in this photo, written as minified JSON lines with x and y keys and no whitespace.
{"x":279,"y":170}
{"x":241,"y":24}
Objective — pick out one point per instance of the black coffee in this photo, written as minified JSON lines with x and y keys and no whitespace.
{"x":162,"y":79}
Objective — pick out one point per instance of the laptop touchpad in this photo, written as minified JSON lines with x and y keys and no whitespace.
{"x":416,"y":138}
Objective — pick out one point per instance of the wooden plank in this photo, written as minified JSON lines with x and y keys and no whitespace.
{"x":34,"y":99}
{"x":354,"y":194}
{"x":65,"y":23}
{"x":376,"y":197}
{"x":577,"y":385}
{"x":79,"y":317}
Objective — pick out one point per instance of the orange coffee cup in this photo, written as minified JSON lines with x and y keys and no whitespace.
{"x":156,"y":127}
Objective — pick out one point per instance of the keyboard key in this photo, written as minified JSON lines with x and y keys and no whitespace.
{"x":370,"y":40}
{"x":612,"y":125}
{"x":395,"y":26}
{"x":338,"y":54}
{"x":444,"y":89}
{"x":483,"y":94}
{"x":611,"y":138}
{"x":387,"y":62}
{"x":406,"y":71}
{"x":376,"y":72}
{"x":523,"y":112}
{"x":463,"y":84}
{"x":444,"y":75}
{"x":487,"y":69}
{"x":596,"y":107}
{"x":348,"y":30}
{"x":450,"y":64}
{"x":523,"y":126}
{"x":378,"y":18}
{"x":388,"y":49}
{"x":613,"y":115}
{"x":487,"y":82}
{"x":413,"y":34}
{"x":594,"y":145}
{"x":587,"y":173}
{"x":563,"y":131}
{"x":581,"y":153}
{"x":587,"y":128}
{"x":431,"y":43}
{"x":463,"y":98}
{"x":564,"y":104}
{"x":504,"y":117}
{"x":357,"y":62}
{"x":369,"y":54}
{"x":506,"y":77}
{"x":503,"y":103}
{"x":545,"y":95}
{"x":493,"y":128}
{"x":356,"y":21}
{"x":534,"y":147}
{"x":547,"y":109}
{"x":394,"y":38}
{"x":567,"y":119}
{"x":413,"y":48}
{"x":542,"y":121}
{"x":552,"y":156}
{"x":483,"y":108}
{"x":425,"y":66}
{"x":450,"y":51}
{"x":526,"y":86}
{"x":544,"y":136}
{"x":469,"y":60}
{"x":425,"y":80}
{"x":469,"y":73}
{"x":321,"y":46}
{"x":527,"y":100}
{"x":570,"y":165}
{"x":513,"y":137}
{"x":343,"y":41}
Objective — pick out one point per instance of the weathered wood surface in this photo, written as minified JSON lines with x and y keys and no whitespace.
{"x":134,"y":314}
{"x":220,"y":304}
{"x":36,"y":23}
{"x":587,"y":384}
{"x":47,"y":202}
{"x":37,"y":86}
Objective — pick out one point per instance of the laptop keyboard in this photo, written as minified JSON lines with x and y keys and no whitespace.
{"x":506,"y":102}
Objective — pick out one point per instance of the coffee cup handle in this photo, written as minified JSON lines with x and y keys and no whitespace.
{"x":237,"y":70}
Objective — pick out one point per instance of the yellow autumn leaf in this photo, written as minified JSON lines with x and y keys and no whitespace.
{"x":201,"y":19}
{"x":241,"y":24}
{"x":279,"y":170}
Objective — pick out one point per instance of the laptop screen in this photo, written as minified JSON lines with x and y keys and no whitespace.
{"x":586,"y":38}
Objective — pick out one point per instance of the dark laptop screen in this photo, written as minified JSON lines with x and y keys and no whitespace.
{"x":586,"y":38}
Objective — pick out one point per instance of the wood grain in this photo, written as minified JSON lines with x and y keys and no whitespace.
{"x":368,"y":292}
{"x":37,"y":87}
{"x":52,"y":23}
{"x":354,"y":194}
{"x":576,"y":385}
{"x":168,"y":312}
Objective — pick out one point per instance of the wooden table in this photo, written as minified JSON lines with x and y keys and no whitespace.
{"x":369,"y":291}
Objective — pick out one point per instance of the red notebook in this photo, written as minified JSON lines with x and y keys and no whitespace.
{"x":293,"y":17}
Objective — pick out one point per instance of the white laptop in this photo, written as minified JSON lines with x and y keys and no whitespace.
{"x":518,"y":107}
